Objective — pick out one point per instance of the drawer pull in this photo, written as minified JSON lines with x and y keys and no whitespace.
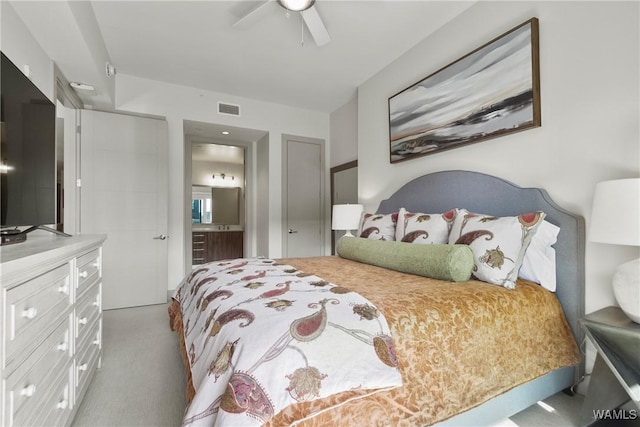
{"x":97,"y":301}
{"x":29,"y":390}
{"x":96,"y":341}
{"x":96,"y":264}
{"x":63,"y":346}
{"x":30,"y":313}
{"x":83,"y":367}
{"x":62,"y":404}
{"x":83,"y":274}
{"x":64,"y":289}
{"x":83,"y":321}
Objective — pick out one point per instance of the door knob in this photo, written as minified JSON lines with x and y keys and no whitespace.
{"x":291,"y":231}
{"x":161,"y":237}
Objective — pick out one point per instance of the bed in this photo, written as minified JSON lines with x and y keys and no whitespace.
{"x":448,"y":341}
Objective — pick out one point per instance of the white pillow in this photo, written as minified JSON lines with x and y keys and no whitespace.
{"x":422,"y":228}
{"x":378,"y":226}
{"x":498,"y":243}
{"x":539,"y":265}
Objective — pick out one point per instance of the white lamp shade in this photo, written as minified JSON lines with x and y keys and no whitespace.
{"x":615,"y":217}
{"x":346,"y":217}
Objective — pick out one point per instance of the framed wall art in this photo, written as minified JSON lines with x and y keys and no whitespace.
{"x":490,"y":92}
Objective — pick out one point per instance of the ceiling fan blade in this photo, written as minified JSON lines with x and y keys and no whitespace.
{"x":252,"y":14}
{"x":316,"y":26}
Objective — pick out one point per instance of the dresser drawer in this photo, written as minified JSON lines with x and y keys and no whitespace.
{"x":87,"y":361}
{"x":57,"y":408}
{"x":30,"y":385}
{"x":88,"y":311}
{"x":32,"y":309}
{"x":88,"y":269}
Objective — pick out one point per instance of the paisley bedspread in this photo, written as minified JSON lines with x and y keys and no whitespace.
{"x":261,"y":335}
{"x":458,"y":345}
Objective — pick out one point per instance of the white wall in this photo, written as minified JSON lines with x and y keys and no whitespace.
{"x":589,"y":73}
{"x":202,"y":172}
{"x":19,"y":45}
{"x":179,"y":103}
{"x":344,"y":133}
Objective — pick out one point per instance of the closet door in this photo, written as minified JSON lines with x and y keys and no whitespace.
{"x":304,"y":199}
{"x":123,"y":194}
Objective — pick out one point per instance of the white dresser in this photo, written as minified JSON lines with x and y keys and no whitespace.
{"x":51,"y":314}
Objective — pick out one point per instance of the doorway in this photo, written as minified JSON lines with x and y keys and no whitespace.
{"x":220,"y":186}
{"x":217,"y":202}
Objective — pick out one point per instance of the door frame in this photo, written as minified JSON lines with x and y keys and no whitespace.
{"x":249,"y":197}
{"x":70,"y":221}
{"x":323,"y":185}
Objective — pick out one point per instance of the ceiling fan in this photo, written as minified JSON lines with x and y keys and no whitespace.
{"x":306,"y":8}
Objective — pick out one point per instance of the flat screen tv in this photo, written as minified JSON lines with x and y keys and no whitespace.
{"x":27,"y":152}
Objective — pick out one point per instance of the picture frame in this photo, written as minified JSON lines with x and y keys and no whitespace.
{"x":490,"y":92}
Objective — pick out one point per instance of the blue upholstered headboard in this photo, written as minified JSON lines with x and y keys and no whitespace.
{"x":481,"y":193}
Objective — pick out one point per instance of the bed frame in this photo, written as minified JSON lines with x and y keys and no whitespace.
{"x":486,"y":194}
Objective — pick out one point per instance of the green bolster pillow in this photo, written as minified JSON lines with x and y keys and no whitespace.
{"x":438,"y":261}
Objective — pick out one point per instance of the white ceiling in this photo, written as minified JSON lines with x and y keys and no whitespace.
{"x":195,"y":43}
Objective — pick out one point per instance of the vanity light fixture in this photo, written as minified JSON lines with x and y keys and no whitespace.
{"x":223,"y":176}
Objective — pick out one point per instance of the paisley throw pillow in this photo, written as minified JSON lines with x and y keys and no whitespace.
{"x":498,"y":243}
{"x":423,"y":228}
{"x":378,"y":226}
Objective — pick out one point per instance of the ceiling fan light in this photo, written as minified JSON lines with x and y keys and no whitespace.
{"x":296,"y":5}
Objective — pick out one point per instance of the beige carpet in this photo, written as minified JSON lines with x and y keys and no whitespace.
{"x":141,"y":381}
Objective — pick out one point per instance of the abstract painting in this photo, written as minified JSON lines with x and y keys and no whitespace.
{"x":490,"y":92}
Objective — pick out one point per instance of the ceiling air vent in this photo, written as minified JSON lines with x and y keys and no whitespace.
{"x":230,"y":109}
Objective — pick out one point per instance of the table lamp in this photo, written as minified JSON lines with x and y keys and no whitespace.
{"x":615,"y":219}
{"x":346,"y":217}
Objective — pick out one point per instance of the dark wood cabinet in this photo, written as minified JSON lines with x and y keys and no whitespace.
{"x":216,"y":245}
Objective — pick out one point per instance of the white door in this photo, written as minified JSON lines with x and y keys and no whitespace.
{"x":123,"y":194}
{"x":304,"y":199}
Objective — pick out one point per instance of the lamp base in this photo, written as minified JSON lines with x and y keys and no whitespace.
{"x":626,"y":288}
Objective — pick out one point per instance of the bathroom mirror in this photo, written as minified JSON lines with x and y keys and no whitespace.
{"x":215,"y":205}
{"x":225,"y":205}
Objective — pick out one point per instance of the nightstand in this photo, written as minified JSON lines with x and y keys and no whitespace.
{"x":616,"y":373}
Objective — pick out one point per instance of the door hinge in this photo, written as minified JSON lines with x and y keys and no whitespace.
{"x":78,"y":129}
{"x":78,"y":183}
